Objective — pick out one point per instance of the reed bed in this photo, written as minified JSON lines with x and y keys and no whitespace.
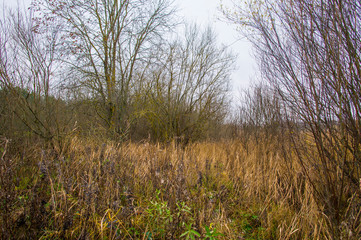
{"x":206,"y":190}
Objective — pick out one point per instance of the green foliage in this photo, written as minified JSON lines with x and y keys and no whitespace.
{"x":190,"y":233}
{"x":159,"y":216}
{"x":251,"y":226}
{"x":211,"y":232}
{"x":182,"y":209}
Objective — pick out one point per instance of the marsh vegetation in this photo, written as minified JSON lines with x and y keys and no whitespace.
{"x":115,"y":126}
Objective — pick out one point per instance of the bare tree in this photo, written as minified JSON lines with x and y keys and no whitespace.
{"x":108,"y":41}
{"x":259,"y":115}
{"x":28,"y":66}
{"x":310,"y":52}
{"x":188,"y":88}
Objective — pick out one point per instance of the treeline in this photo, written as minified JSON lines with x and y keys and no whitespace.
{"x":112,"y":69}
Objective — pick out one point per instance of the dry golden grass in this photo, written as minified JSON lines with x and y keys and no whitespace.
{"x":152,"y":191}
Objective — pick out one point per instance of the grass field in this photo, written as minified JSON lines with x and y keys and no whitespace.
{"x":207,"y":190}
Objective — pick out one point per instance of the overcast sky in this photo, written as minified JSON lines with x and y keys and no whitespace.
{"x":206,"y":12}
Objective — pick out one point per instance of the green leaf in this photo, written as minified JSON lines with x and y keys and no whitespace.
{"x":194,"y":232}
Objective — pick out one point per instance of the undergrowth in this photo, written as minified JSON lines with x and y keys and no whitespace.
{"x":221,"y":190}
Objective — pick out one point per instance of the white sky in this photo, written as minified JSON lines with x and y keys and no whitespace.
{"x":205,"y":12}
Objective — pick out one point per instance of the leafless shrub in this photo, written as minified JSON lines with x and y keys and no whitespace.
{"x":309,"y":52}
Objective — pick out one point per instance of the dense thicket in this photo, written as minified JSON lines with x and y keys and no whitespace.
{"x":309,"y":52}
{"x":111,"y":69}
